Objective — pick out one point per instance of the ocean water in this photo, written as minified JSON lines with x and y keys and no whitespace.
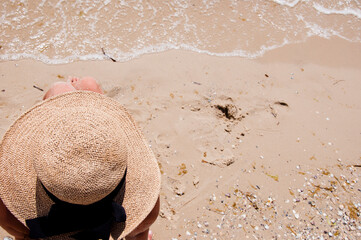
{"x":62,"y":31}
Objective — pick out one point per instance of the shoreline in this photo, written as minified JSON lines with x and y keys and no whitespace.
{"x":292,"y":115}
{"x":321,"y":53}
{"x":334,"y":52}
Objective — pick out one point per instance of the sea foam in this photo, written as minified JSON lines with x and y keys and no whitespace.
{"x":345,"y":11}
{"x":59,"y":31}
{"x":287,"y":3}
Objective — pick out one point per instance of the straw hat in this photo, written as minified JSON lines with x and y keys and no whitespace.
{"x":78,"y":146}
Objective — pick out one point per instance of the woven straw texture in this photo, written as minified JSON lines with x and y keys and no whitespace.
{"x":79,"y":142}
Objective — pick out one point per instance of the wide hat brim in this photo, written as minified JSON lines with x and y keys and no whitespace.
{"x":20,"y":189}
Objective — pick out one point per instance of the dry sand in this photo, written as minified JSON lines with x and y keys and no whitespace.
{"x":259,"y":149}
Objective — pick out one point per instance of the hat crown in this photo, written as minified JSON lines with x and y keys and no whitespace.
{"x":81,"y":159}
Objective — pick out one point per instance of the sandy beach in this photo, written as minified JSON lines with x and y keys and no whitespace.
{"x":248,"y":149}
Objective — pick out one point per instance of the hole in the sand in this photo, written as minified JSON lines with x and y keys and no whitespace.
{"x":229,"y":110}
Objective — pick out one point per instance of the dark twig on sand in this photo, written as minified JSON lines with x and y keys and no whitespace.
{"x":281,"y":103}
{"x":338,"y":81}
{"x":108,"y":56}
{"x":38,"y":88}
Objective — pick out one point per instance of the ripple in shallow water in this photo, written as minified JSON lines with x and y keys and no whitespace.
{"x":59,"y":31}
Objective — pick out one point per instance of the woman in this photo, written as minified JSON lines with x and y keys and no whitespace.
{"x":130,"y":203}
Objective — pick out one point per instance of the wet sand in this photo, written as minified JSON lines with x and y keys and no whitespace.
{"x":253,"y":149}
